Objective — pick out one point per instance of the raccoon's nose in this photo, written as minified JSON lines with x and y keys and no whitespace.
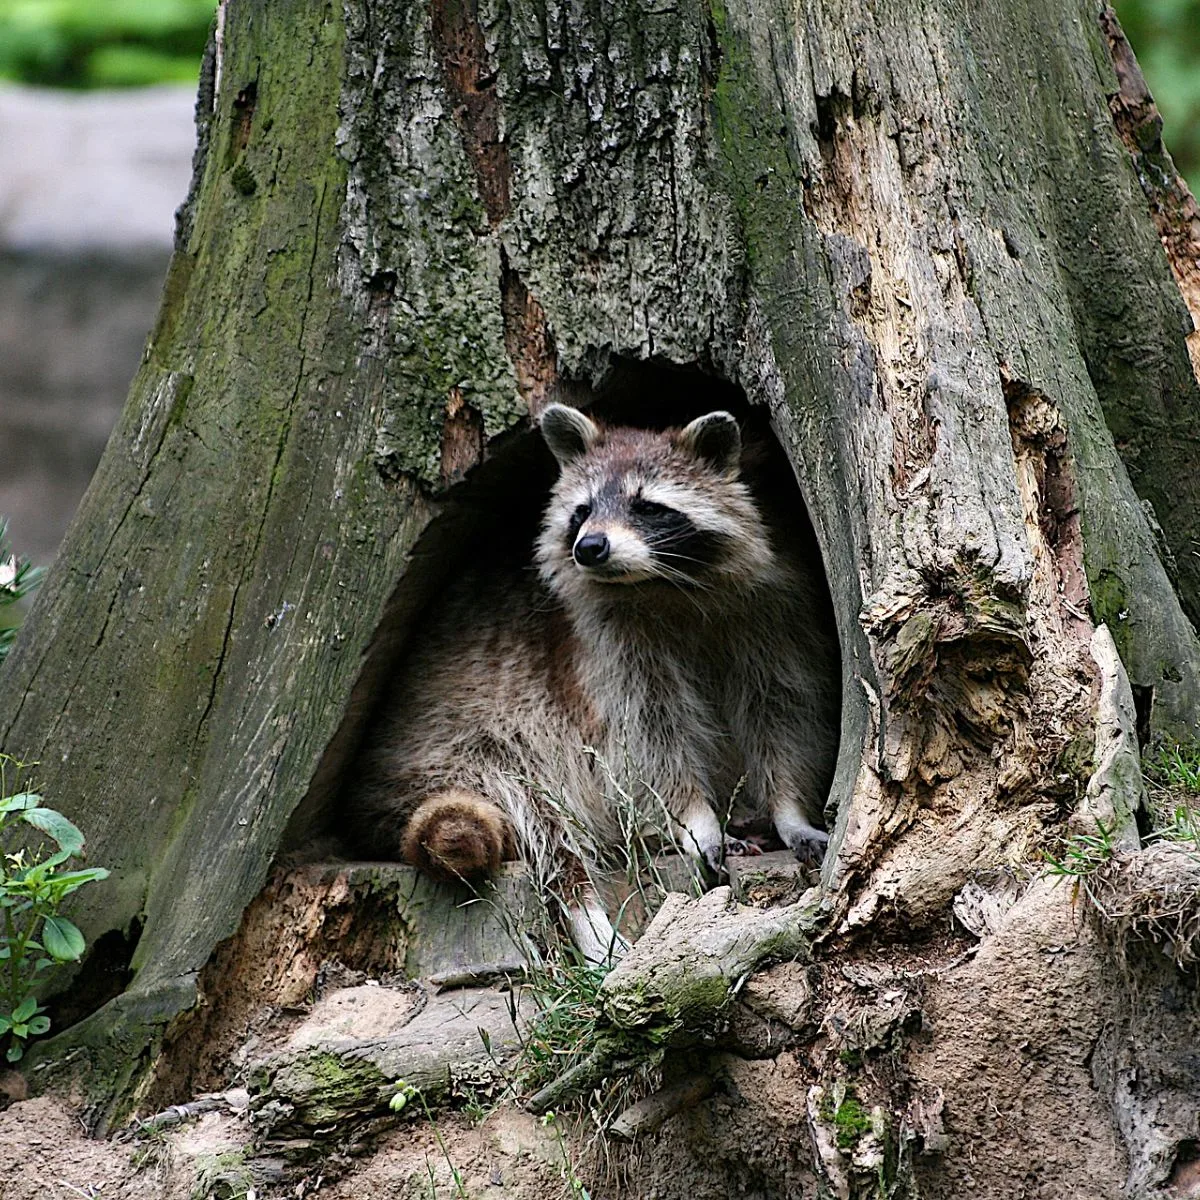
{"x":591,"y":549}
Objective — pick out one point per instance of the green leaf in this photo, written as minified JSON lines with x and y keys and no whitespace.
{"x":14,"y":1053}
{"x":76,"y":879}
{"x":19,"y":802}
{"x":5,"y":1023}
{"x":62,"y":940}
{"x":56,"y":826}
{"x":24,"y":1010}
{"x":39,"y":1025}
{"x":34,"y":876}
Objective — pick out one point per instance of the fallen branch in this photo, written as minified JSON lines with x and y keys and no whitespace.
{"x":649,"y":1115}
{"x":674,"y":987}
{"x":236,"y":1100}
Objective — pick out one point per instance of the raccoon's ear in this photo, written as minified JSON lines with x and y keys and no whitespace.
{"x":568,"y":432}
{"x":715,"y":439}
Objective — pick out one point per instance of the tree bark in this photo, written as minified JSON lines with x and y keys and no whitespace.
{"x":914,"y":236}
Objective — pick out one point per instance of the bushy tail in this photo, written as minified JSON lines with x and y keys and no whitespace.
{"x":457,"y":834}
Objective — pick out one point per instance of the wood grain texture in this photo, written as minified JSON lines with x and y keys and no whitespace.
{"x":911,"y":232}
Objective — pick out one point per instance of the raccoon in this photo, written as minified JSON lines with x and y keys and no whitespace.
{"x":668,"y":630}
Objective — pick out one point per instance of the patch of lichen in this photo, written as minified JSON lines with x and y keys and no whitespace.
{"x":225,"y":1175}
{"x":759,"y":173}
{"x":1110,"y":603}
{"x":850,"y":1121}
{"x":322,"y":1087}
{"x":420,"y":218}
{"x":1077,"y":759}
{"x":644,"y":1016}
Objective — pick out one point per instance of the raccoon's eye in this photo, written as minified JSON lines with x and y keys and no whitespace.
{"x":581,"y":514}
{"x":648,"y":508}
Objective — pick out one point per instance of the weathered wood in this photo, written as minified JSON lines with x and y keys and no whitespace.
{"x":911,"y":233}
{"x":307,"y":1100}
{"x":648,"y":1115}
{"x":675,"y":984}
{"x":316,"y":926}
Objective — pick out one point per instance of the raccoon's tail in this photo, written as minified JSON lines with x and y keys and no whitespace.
{"x":457,"y":834}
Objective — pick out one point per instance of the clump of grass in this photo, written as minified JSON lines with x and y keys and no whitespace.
{"x":1181,"y":826}
{"x":1082,"y":855}
{"x":1172,"y":772}
{"x":1174,"y":767}
{"x":566,"y":991}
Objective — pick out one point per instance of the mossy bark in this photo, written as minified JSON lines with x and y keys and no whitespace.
{"x":911,"y":232}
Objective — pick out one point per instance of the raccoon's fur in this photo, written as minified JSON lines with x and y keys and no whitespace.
{"x":667,"y":628}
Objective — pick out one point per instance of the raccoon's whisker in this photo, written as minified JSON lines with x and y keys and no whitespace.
{"x":692,"y":582}
{"x":673,"y":577}
{"x":671,"y":554}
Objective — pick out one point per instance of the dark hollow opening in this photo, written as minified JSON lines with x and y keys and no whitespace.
{"x":103,"y":975}
{"x":1143,"y":707}
{"x":492,"y":517}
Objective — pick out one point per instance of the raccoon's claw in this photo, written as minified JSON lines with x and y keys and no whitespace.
{"x":741,"y":847}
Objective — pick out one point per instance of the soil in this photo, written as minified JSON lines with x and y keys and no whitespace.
{"x":48,"y":1156}
{"x":992,"y":1041}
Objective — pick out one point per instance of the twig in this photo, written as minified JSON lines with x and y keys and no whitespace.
{"x":575,"y":1082}
{"x":235,"y":1100}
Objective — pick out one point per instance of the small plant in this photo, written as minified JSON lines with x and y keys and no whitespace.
{"x":33,"y":886}
{"x":1083,"y":854}
{"x":575,"y":1185}
{"x":405,"y":1093}
{"x":18,"y":577}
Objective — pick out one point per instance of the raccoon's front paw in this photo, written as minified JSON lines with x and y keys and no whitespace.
{"x":713,"y":857}
{"x":808,"y":846}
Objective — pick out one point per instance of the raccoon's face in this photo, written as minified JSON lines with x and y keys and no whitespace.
{"x":637,"y":507}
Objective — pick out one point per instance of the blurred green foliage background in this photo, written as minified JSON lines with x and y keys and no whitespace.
{"x":125,"y":43}
{"x":1165,"y":35}
{"x":103,"y":43}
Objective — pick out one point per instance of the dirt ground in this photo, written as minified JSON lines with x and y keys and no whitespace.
{"x":47,"y":1156}
{"x":994,"y":1038}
